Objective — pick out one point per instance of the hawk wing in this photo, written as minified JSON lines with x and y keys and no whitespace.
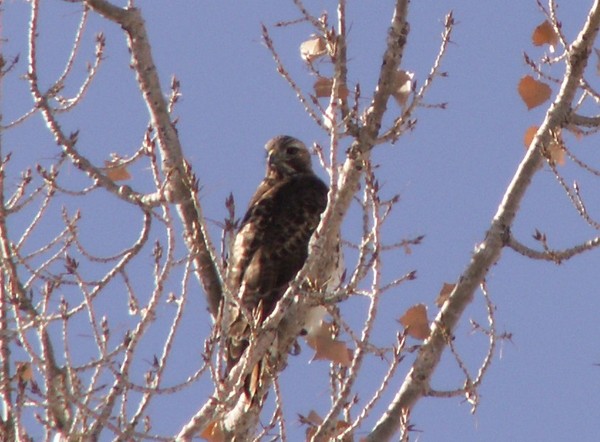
{"x":270,"y":248}
{"x":272,"y":243}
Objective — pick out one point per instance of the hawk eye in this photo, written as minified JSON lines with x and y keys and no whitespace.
{"x":292,"y":150}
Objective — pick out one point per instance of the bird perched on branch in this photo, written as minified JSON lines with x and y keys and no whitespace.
{"x":271,"y":245}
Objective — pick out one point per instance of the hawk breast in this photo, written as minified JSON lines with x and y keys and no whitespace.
{"x":272,"y":243}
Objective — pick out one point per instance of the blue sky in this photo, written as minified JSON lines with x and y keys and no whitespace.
{"x":450,"y":172}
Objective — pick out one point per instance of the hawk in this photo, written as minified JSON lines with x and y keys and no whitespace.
{"x":271,"y":244}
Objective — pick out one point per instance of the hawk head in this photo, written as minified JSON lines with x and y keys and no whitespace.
{"x":287,"y":156}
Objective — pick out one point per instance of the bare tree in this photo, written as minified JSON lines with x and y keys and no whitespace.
{"x":55,"y":287}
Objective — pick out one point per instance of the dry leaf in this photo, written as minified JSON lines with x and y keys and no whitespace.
{"x":555,"y":152}
{"x":116,"y":171}
{"x":330,"y":349}
{"x":213,"y":433}
{"x":314,"y":320}
{"x":327,"y":348}
{"x":314,"y":418}
{"x":402,"y":86}
{"x":545,"y":34}
{"x":323,"y":87}
{"x":533,"y":92}
{"x":575,"y":130}
{"x":312,"y":49}
{"x":529,"y":135}
{"x":415,"y":321}
{"x":24,"y":371}
{"x":340,"y":427}
{"x":444,"y":294}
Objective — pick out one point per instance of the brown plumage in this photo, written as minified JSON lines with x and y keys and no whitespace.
{"x":271,"y":245}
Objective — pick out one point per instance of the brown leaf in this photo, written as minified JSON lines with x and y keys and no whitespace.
{"x":533,"y":92}
{"x":555,"y":152}
{"x":323,"y":87}
{"x":24,"y":371}
{"x":312,"y":49}
{"x":314,"y":418}
{"x":529,"y":135}
{"x":444,"y":294}
{"x":340,"y":427}
{"x":402,"y":86}
{"x":545,"y":34}
{"x":328,"y":348}
{"x":213,"y":433}
{"x":575,"y":130}
{"x":115,"y":171}
{"x":415,"y":321}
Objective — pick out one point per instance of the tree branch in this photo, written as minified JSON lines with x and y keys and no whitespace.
{"x":488,"y":252}
{"x":179,"y":180}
